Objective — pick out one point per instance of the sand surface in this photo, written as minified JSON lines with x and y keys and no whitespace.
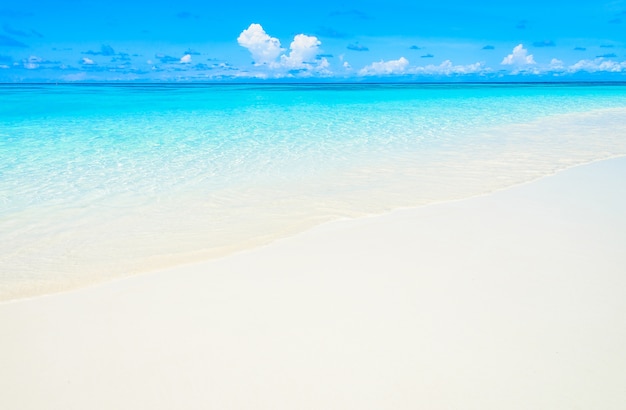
{"x":515,"y":300}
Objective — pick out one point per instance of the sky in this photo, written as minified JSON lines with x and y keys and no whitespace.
{"x":315,"y":40}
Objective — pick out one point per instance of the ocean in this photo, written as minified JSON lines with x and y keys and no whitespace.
{"x":101,"y":181}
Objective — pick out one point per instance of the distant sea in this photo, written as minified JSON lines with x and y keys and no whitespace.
{"x":104,"y":181}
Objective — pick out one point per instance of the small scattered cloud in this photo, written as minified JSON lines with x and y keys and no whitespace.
{"x":522,"y":24}
{"x":191,"y":52}
{"x":607,"y":46}
{"x":609,"y":55}
{"x":323,"y":56}
{"x":165,"y":59}
{"x":580,"y":49}
{"x":519,"y":57}
{"x":544,"y":43}
{"x":488,"y":47}
{"x":264,"y":49}
{"x":202,"y":67}
{"x":448,"y":68}
{"x":556,"y":64}
{"x":414,"y":47}
{"x":105,"y":50}
{"x":36,"y":33}
{"x":427,"y":56}
{"x":87,"y":61}
{"x":357,"y":47}
{"x":331,"y":33}
{"x":6,"y":41}
{"x":616,"y":20}
{"x":186,"y":59}
{"x":598,"y":65}
{"x":382,"y":67}
{"x":35,"y":62}
{"x":125,"y":57}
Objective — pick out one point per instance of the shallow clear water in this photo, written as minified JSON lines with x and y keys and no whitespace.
{"x":102,"y":181}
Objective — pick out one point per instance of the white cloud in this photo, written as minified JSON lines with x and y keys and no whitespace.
{"x":4,"y":66}
{"x":87,"y":61}
{"x":598,"y":65}
{"x":519,"y":57}
{"x":347,"y":65}
{"x":264,"y":49}
{"x":447,"y":68}
{"x":386,"y":67}
{"x":32,"y":62}
{"x":303,"y":50}
{"x":556,"y":64}
{"x":186,"y":59}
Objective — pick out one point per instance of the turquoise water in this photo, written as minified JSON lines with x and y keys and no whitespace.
{"x":102,"y":181}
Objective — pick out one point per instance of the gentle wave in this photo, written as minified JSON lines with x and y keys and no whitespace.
{"x":103,"y":182}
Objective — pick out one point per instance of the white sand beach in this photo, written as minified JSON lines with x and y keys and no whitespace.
{"x":513,"y":300}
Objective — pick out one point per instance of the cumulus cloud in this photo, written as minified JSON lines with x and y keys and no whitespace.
{"x":186,"y":59}
{"x":302,"y":51}
{"x":519,"y":57}
{"x":87,"y":61}
{"x":381,"y":67}
{"x":264,"y":49}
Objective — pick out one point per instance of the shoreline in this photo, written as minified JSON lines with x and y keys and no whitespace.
{"x":512,"y":299}
{"x":87,"y":240}
{"x":261,"y":243}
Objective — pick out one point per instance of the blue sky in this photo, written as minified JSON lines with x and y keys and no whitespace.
{"x":189,"y":40}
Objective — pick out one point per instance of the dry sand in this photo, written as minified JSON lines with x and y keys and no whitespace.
{"x":515,"y":300}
